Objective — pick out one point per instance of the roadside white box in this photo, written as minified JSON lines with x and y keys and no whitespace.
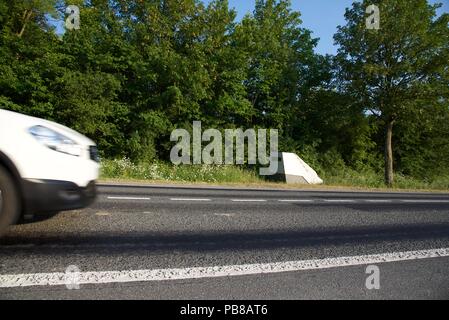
{"x":293,"y":170}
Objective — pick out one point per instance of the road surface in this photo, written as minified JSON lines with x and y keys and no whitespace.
{"x":142,"y":242}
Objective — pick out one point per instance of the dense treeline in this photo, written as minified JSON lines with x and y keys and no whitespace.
{"x":136,"y":70}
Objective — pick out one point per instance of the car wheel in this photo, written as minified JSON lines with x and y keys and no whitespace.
{"x":9,"y":201}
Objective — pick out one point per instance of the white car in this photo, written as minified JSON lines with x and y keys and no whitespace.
{"x":44,"y":168}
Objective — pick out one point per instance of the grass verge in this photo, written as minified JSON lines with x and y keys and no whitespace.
{"x":124,"y":170}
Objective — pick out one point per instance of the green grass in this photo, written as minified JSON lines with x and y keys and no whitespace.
{"x":124,"y":169}
{"x":370,"y":179}
{"x":159,"y":171}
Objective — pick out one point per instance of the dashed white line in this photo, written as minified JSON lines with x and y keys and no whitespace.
{"x":129,"y":198}
{"x":336,"y":201}
{"x":185,"y":199}
{"x":425,"y":201}
{"x":227,"y":215}
{"x":129,"y":276}
{"x":306,"y":201}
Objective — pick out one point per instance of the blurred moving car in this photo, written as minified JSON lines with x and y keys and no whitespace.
{"x":44,"y":168}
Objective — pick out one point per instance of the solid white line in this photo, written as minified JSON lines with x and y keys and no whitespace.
{"x":104,"y":277}
{"x":248,"y":200}
{"x":180,"y":199}
{"x":127,"y":198}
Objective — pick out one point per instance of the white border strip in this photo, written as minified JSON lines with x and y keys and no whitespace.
{"x":105,"y":277}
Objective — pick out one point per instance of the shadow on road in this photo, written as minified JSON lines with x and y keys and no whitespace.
{"x":216,"y":241}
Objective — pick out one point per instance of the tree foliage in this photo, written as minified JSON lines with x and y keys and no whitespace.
{"x":136,"y":70}
{"x":398,"y":73}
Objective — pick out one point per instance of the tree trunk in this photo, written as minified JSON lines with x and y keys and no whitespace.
{"x":26,"y":17}
{"x":389,"y":174}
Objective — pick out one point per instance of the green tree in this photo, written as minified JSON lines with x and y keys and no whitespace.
{"x":92,"y":64}
{"x":27,"y":41}
{"x":400,"y":71}
{"x":279,"y":53}
{"x":227,"y":66}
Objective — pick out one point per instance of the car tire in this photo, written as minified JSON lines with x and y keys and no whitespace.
{"x":9,"y":201}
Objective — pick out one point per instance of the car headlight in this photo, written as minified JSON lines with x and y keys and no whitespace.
{"x":55,"y":140}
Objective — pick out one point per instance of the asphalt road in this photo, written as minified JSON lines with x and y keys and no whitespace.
{"x":210,"y":243}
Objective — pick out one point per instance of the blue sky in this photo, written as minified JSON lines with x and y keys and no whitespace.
{"x":320,"y":16}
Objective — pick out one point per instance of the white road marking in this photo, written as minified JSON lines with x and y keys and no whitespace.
{"x":404,"y":201}
{"x":228,"y":215}
{"x":425,"y":201}
{"x":182,"y":199}
{"x":295,"y":200}
{"x":339,"y":201}
{"x":128,"y":198}
{"x":105,"y":277}
{"x":102,"y":214}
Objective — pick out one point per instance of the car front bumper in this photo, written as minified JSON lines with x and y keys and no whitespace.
{"x":49,"y":196}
